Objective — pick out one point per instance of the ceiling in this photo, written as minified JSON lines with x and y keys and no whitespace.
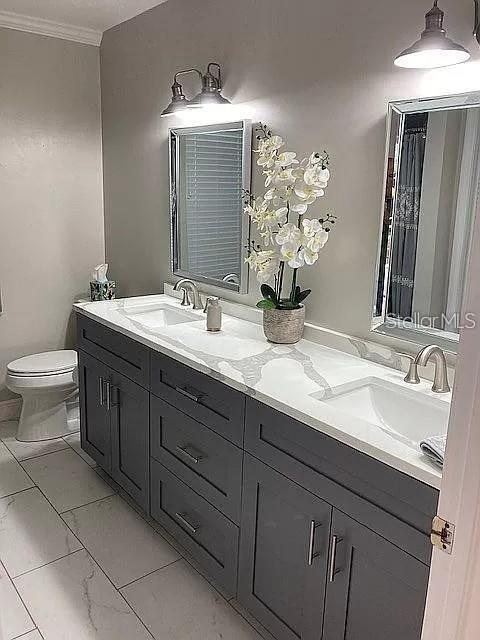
{"x":87,"y":19}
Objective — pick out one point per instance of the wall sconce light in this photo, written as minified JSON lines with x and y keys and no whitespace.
{"x":434,"y":49}
{"x":210,"y":93}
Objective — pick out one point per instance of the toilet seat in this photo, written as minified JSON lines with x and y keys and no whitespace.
{"x":50,"y":363}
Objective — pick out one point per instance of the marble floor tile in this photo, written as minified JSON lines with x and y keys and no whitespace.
{"x":66,"y":479}
{"x":33,"y":635}
{"x":25,"y":450}
{"x":74,"y":442}
{"x":176,"y":603}
{"x":72,"y":599}
{"x":14,"y":618}
{"x":12,"y":477}
{"x":31,"y":532}
{"x":123,"y":544}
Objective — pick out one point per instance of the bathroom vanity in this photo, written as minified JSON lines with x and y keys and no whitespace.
{"x":316,"y":522}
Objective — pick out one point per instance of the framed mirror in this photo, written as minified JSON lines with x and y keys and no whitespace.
{"x":210,"y":170}
{"x":431,"y":190}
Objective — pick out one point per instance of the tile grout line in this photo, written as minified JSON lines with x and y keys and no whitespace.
{"x":128,"y":584}
{"x":15,"y":493}
{"x":34,"y":622}
{"x":38,"y":455}
{"x":26,"y":634}
{"x":26,"y":573}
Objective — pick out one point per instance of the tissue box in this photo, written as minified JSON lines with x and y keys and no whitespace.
{"x":102,"y":290}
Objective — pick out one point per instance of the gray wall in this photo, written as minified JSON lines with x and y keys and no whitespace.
{"x":320,"y":73}
{"x":51,"y":213}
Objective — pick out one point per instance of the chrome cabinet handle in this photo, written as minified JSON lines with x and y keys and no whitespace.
{"x":101,"y":382}
{"x":186,"y":393}
{"x":333,"y":558}
{"x":108,"y":394}
{"x":311,"y":543}
{"x":190,"y":456}
{"x":186,"y":523}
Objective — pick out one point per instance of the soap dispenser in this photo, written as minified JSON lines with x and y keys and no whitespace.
{"x":214,"y":314}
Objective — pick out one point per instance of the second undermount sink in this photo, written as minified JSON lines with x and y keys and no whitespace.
{"x":152,"y":316}
{"x":407,"y":415}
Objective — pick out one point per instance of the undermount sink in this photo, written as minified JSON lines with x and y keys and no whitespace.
{"x":408,"y":416}
{"x":152,"y":316}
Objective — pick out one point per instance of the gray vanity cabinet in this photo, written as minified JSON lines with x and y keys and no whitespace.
{"x":114,"y":419}
{"x":317,"y":540}
{"x":114,"y":405}
{"x":94,"y":415}
{"x":129,"y":428}
{"x":283,"y":553}
{"x":374,"y":589}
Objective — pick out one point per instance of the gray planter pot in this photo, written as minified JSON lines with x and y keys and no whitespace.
{"x":283,"y":326}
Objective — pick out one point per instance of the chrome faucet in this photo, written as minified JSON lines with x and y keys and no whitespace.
{"x":188,"y":286}
{"x":440,"y":378}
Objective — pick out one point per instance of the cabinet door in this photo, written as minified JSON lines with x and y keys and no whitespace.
{"x":129,"y":414}
{"x":283,"y":553}
{"x":94,"y":415}
{"x":374,"y":589}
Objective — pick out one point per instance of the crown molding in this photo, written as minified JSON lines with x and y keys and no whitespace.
{"x":50,"y":28}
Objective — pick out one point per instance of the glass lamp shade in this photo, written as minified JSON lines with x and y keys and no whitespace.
{"x":433,"y":49}
{"x":430,"y":52}
{"x":174,"y":107}
{"x":178,"y":102}
{"x":208,"y":98}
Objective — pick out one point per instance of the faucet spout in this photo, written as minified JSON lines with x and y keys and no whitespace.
{"x":188,"y":285}
{"x":440,"y":379}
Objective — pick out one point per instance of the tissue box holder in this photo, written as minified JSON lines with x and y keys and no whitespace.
{"x":102,"y":290}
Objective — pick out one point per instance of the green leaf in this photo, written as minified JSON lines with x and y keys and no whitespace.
{"x":287,"y":305}
{"x":268,"y":293}
{"x":266,"y":304}
{"x":303,"y":294}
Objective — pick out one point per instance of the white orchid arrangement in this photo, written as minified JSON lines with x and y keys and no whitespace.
{"x":288,"y":237}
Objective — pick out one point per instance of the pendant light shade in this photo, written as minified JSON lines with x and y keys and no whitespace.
{"x":178,"y":102}
{"x":433,"y":49}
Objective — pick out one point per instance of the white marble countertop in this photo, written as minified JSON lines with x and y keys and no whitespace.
{"x":295,"y":379}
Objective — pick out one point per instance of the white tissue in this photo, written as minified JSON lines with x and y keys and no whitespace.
{"x":99,"y":274}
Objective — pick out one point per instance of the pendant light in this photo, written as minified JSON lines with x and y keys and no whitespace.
{"x":210,"y":94}
{"x":433,"y":49}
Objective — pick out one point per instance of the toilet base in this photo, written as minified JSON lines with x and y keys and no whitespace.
{"x":47,"y":416}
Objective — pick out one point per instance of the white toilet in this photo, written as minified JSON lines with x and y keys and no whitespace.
{"x":48,"y":384}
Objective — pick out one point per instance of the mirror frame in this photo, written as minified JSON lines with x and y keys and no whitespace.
{"x":415,"y":334}
{"x":174,"y":164}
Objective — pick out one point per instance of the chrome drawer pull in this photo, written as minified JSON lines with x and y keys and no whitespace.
{"x":186,"y":523}
{"x":101,"y":382}
{"x":186,"y":393}
{"x":311,"y":544}
{"x":190,"y":456}
{"x":333,"y":557}
{"x":108,"y":394}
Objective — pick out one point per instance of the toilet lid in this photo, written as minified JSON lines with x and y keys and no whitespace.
{"x":46,"y":363}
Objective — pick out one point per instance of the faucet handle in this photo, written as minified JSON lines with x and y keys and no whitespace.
{"x":412,"y":376}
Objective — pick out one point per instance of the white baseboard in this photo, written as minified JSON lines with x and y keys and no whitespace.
{"x":10,"y":409}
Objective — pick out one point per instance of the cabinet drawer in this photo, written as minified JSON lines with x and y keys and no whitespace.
{"x":398,"y":507}
{"x":208,"y":463}
{"x":199,"y":396}
{"x":203,"y":531}
{"x":126,"y":356}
